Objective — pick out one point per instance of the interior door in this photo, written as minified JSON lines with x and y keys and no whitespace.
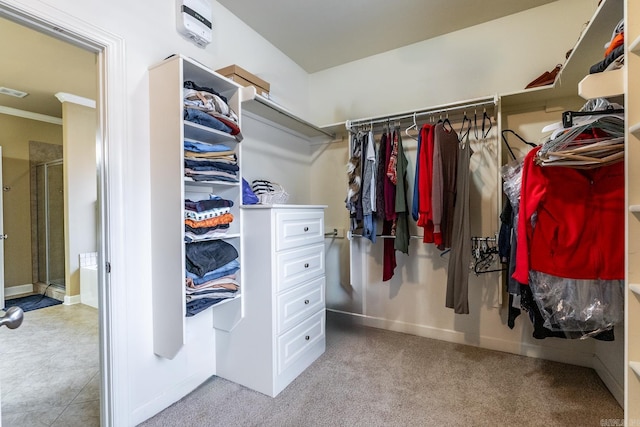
{"x":2,"y":235}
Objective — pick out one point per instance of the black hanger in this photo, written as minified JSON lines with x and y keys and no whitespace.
{"x":475,"y":125}
{"x":446,"y":122}
{"x":504,"y":138}
{"x":464,"y":119}
{"x":486,"y":117}
{"x":567,"y":116}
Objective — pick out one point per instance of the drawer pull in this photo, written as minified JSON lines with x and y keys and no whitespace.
{"x":306,"y":229}
{"x":306,"y":301}
{"x":307,"y":337}
{"x":306,"y":265}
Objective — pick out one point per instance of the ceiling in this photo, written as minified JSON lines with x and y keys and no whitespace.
{"x":41,"y":65}
{"x":323,"y":34}
{"x":315,"y":34}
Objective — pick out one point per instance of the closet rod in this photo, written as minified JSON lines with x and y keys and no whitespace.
{"x":389,"y":236}
{"x":384,"y":236}
{"x":483,"y":102}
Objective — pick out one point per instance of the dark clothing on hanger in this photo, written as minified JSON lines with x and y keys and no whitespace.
{"x":602,"y":65}
{"x":389,"y":222}
{"x":460,"y":256}
{"x":445,"y":161}
{"x":381,"y":171}
{"x":401,"y":242}
{"x":415,"y":205}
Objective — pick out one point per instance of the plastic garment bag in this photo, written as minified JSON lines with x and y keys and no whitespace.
{"x":585,"y":306}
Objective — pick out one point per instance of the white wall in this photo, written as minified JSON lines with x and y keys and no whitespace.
{"x":500,"y":56}
{"x":79,"y":131}
{"x":275,"y":154}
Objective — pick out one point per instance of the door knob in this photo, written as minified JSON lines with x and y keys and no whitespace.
{"x":12,"y":317}
{"x":3,"y":236}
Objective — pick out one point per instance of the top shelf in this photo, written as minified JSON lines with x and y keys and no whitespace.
{"x":588,"y":51}
{"x":269,"y":110}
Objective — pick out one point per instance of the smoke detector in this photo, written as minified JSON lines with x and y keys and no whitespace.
{"x":13,"y":92}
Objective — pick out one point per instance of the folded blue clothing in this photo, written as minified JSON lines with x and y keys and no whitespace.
{"x":196,"y":306}
{"x":204,"y":119}
{"x":204,"y":205}
{"x":225,"y":270}
{"x":203,"y":257}
{"x":210,"y":165}
{"x":210,"y":178}
{"x":203,"y":147}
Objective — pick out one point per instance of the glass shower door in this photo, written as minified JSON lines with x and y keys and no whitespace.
{"x":51,"y":261}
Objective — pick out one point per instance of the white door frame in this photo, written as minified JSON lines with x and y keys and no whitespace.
{"x":1,"y":238}
{"x":112,"y":111}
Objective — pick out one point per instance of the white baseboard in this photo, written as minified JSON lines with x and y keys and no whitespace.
{"x":70,"y":300}
{"x":523,"y":349}
{"x":609,"y":380}
{"x":17,"y":290}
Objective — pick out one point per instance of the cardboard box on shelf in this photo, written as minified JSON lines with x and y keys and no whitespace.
{"x":245,"y":78}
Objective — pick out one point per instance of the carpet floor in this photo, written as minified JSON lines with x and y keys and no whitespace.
{"x":373,"y":377}
{"x":31,"y":302}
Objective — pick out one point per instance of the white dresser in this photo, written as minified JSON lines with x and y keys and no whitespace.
{"x":283,"y":287}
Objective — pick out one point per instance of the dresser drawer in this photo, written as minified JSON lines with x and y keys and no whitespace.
{"x":295,"y":229}
{"x":296,"y":305}
{"x":297,"y":266}
{"x":298,"y":343}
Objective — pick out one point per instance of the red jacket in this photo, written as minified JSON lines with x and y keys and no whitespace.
{"x":425,"y":163}
{"x":579,"y":230}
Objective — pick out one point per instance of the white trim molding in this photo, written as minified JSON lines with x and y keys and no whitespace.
{"x":75,"y":99}
{"x":12,"y":291}
{"x":29,"y":115}
{"x":71,"y":300}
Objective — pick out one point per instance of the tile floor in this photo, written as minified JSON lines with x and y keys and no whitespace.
{"x":50,"y":368}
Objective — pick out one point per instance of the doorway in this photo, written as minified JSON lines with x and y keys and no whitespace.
{"x":108,"y":50}
{"x":42,"y":183}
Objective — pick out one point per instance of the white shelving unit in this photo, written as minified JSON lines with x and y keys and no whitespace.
{"x":267,"y":109}
{"x":576,"y":67}
{"x":169,"y":189}
{"x":602,"y":85}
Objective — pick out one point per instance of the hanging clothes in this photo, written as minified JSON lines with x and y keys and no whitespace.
{"x":354,"y":174}
{"x":458,"y":272}
{"x":381,"y":168}
{"x":578,"y":232}
{"x":389,"y":194}
{"x":424,"y":168}
{"x":415,"y":211}
{"x":445,"y":160}
{"x":570,"y":248}
{"x":391,"y":177}
{"x":401,"y":242}
{"x":368,"y":187}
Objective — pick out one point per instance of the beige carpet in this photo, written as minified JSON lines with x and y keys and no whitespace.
{"x":371,"y":377}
